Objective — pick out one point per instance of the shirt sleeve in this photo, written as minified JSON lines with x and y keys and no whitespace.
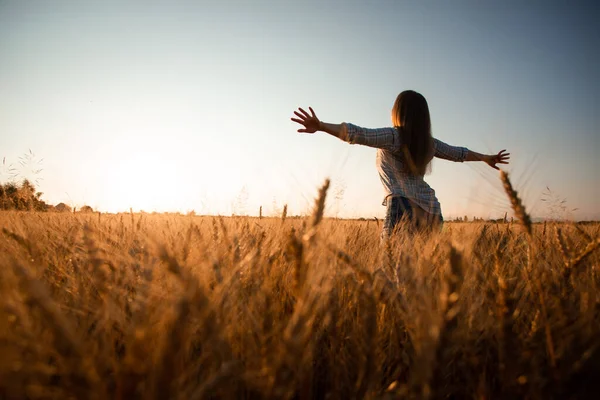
{"x":447,"y":152}
{"x":381,"y":138}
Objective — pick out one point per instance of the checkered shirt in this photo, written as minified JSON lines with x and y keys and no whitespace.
{"x":393,"y":171}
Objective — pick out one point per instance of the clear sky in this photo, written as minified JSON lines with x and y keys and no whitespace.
{"x":181,"y":105}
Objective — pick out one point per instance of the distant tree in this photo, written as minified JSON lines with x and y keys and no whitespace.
{"x":10,"y":193}
{"x":21,"y":197}
{"x":4,"y":198}
{"x":27,"y":187}
{"x":86,"y":209}
{"x":62,"y":207}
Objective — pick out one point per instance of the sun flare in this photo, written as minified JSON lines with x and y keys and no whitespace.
{"x":144,"y":180}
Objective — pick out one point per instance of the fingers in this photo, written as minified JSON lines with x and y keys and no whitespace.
{"x":303,"y":112}
{"x":502,"y":157}
{"x":302,"y":117}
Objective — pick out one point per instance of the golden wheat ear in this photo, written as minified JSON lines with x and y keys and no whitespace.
{"x":516,"y":203}
{"x":319,"y":210}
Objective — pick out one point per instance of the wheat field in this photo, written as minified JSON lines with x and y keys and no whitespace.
{"x":145,"y":306}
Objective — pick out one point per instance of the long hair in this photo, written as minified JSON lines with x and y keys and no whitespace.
{"x":410,"y":116}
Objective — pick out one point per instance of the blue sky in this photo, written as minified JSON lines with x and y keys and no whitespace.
{"x":185,"y":105}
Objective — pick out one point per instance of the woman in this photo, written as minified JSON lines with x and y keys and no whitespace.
{"x":403,"y":157}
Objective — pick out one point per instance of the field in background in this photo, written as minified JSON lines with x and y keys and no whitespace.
{"x":139,"y":306}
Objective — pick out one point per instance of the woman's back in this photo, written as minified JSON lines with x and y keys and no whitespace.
{"x":403,"y":155}
{"x":396,"y":174}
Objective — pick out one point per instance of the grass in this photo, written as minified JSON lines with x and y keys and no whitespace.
{"x":139,"y":306}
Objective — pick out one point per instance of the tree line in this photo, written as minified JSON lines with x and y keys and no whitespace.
{"x":24,"y":197}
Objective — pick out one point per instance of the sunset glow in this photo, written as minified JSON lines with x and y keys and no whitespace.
{"x":178,"y":107}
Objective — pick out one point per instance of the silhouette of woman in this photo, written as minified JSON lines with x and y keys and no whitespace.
{"x":403,"y":157}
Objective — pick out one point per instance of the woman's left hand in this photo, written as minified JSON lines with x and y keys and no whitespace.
{"x":501,"y":158}
{"x":311,"y":122}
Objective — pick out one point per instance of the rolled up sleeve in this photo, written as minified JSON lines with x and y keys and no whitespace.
{"x":447,"y":152}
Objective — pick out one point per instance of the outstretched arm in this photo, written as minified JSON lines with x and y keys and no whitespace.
{"x":312,"y":124}
{"x":382,"y":138}
{"x":460,"y":154}
{"x":490,"y":159}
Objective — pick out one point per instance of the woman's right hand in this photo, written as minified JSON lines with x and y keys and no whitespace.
{"x":501,"y":158}
{"x":310,"y":122}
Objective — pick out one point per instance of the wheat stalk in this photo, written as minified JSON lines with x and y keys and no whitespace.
{"x":296,"y":248}
{"x":583,"y":233}
{"x":453,"y":279}
{"x":81,"y":370}
{"x":517,"y":204}
{"x":562,"y":246}
{"x":318,"y":211}
{"x":519,"y":209}
{"x":591,"y":246}
{"x":282,"y":317}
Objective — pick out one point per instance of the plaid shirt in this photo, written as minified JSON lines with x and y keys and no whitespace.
{"x":394,"y":174}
